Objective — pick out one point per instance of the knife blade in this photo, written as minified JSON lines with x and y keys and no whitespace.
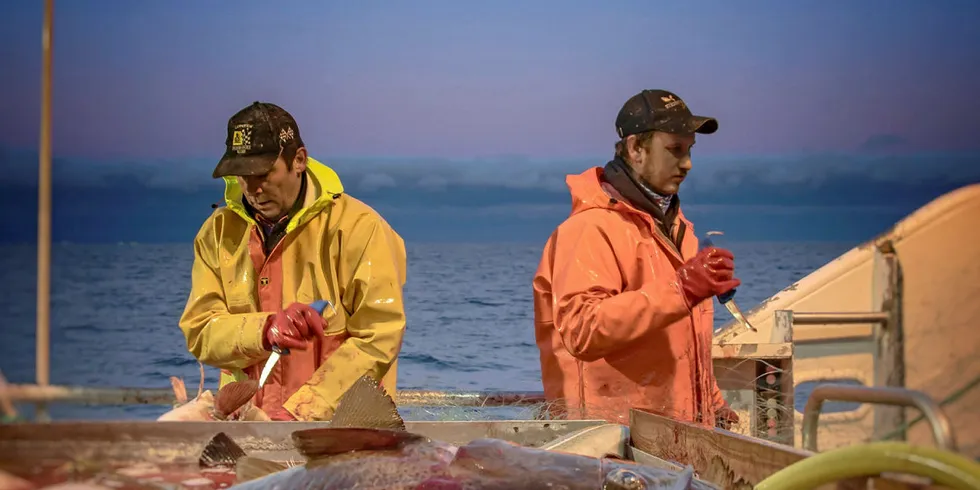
{"x":728,"y":298}
{"x":278,"y":352}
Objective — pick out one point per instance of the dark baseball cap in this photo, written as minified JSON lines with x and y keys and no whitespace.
{"x":660,"y":110}
{"x":256,"y":136}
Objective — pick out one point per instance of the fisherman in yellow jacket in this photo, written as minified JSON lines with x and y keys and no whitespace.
{"x":288,"y":236}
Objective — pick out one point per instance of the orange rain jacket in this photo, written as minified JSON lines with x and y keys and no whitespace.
{"x":335,"y":248}
{"x":611,"y":322}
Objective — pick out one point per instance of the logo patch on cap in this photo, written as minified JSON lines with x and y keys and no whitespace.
{"x":241,"y":138}
{"x":286,"y":134}
{"x":671,"y":101}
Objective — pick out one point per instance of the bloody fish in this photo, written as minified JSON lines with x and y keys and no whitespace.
{"x":366,"y":446}
{"x":233,"y":402}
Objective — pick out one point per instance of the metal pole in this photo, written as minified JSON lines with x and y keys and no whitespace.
{"x":844,"y":318}
{"x":941,"y":429}
{"x":44,"y":211}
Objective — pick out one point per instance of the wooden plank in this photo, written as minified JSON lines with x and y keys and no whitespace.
{"x":726,"y":459}
{"x":779,"y":350}
{"x":182,"y":442}
{"x":729,"y":460}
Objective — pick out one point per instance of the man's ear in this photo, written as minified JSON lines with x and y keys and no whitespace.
{"x":299,"y":161}
{"x":632,"y":146}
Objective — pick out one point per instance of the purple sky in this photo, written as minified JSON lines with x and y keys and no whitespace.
{"x":467,"y":79}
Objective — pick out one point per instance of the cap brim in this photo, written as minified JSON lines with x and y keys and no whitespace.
{"x":236,"y":165}
{"x":703,"y":125}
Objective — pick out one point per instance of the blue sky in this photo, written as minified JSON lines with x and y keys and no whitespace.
{"x":816,"y":100}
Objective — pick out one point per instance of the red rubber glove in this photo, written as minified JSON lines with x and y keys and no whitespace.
{"x":293,"y":327}
{"x":282,"y":415}
{"x":726,"y":418}
{"x":707,"y":274}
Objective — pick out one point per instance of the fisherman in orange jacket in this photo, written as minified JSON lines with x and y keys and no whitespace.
{"x":287,"y":237}
{"x":622,"y":297}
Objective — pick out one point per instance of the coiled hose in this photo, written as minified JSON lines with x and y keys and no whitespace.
{"x":943,"y":467}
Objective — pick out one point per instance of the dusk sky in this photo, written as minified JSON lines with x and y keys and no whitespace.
{"x":505,"y":93}
{"x":449,"y":78}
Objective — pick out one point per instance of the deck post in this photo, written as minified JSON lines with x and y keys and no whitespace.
{"x":889,"y":344}
{"x":44,"y":214}
{"x":778,"y":420}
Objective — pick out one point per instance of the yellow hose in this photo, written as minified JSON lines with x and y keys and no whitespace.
{"x":943,"y":467}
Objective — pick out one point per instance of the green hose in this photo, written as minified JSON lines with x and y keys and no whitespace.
{"x":943,"y":467}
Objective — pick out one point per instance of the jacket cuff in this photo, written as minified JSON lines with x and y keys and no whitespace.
{"x":307,"y":405}
{"x":250,"y":334}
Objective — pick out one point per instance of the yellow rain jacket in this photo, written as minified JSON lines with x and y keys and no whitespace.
{"x":335,"y":248}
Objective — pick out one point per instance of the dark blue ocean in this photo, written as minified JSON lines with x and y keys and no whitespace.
{"x":114,"y":312}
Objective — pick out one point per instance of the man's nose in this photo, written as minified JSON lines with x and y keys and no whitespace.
{"x":686,"y":163}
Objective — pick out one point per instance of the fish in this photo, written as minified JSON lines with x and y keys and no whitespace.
{"x":366,"y":445}
{"x":9,"y":481}
{"x":233,"y":402}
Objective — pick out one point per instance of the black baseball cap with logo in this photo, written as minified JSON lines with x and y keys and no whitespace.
{"x":256,"y":136}
{"x":660,"y":110}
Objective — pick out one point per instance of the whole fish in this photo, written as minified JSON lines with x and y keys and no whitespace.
{"x":366,"y":446}
{"x":232,"y":402}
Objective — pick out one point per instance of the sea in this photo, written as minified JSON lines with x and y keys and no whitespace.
{"x":114,"y":312}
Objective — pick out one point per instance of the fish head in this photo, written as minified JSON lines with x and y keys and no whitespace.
{"x":249,"y":412}
{"x":494,"y":462}
{"x":198,"y":409}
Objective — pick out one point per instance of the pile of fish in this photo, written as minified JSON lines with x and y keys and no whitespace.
{"x":366,"y":446}
{"x":232,"y":403}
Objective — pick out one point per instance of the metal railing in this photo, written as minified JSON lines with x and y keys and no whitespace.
{"x":85,"y":395}
{"x":941,"y":429}
{"x":842,"y":318}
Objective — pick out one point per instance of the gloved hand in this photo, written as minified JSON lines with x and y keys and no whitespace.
{"x":281,"y":414}
{"x":291,"y":328}
{"x":707,"y":274}
{"x":725,"y":417}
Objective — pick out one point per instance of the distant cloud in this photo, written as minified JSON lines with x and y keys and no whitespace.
{"x":804,"y":179}
{"x":883,"y":142}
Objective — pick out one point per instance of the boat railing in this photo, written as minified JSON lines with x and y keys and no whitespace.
{"x":756,"y":378}
{"x":86,"y":395}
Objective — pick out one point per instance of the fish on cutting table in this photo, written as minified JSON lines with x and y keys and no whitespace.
{"x":233,"y":402}
{"x":10,"y":481}
{"x":366,"y":446}
{"x":95,"y":482}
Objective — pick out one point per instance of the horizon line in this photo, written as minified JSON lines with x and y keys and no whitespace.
{"x":324,"y":157}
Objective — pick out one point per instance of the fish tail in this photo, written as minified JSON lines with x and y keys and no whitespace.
{"x":366,"y":404}
{"x":220,"y":451}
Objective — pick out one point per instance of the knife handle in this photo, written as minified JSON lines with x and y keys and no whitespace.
{"x":318,"y":305}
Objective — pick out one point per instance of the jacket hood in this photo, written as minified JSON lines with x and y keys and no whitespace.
{"x":590,"y":191}
{"x":323,"y":187}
